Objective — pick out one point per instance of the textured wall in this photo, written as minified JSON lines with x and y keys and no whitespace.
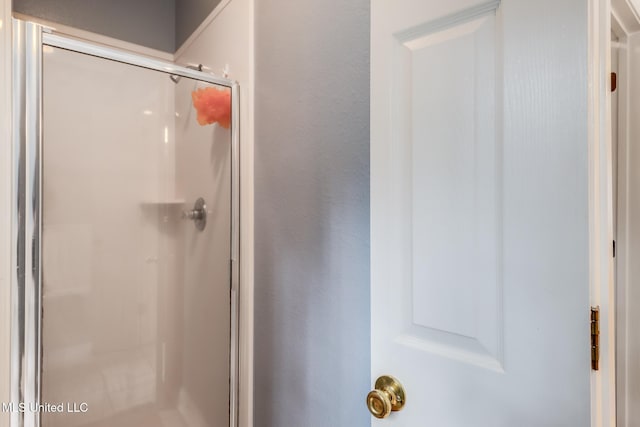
{"x":312,"y":213}
{"x":149,"y":23}
{"x":159,"y":24}
{"x":190,"y":14}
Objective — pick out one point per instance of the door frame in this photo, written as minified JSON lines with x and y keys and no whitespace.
{"x":624,"y":22}
{"x":5,"y":201}
{"x":601,"y":274}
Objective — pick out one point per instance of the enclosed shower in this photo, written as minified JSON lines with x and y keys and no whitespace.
{"x":125,"y":293}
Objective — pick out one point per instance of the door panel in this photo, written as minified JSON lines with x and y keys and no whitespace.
{"x":479,"y":211}
{"x":452,"y":190}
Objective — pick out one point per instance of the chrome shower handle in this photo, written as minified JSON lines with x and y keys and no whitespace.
{"x":194,"y":214}
{"x":198,"y":214}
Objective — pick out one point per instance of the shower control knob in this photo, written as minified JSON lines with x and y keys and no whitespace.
{"x":193,"y":214}
{"x":198,"y":214}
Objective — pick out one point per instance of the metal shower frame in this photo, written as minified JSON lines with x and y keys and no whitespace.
{"x":26,"y":280}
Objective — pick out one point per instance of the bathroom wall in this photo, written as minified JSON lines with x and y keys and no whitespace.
{"x":189,"y":15}
{"x":149,"y":23}
{"x":225,"y":43}
{"x":5,"y":202}
{"x":312,"y":213}
{"x":159,"y":24}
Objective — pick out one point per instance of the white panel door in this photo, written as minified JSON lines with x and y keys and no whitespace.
{"x":480,"y":294}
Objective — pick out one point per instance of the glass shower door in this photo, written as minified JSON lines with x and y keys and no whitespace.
{"x":136,"y":278}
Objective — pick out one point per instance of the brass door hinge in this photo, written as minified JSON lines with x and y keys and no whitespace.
{"x":595,"y":338}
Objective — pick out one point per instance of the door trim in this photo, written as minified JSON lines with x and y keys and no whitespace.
{"x":625,"y":24}
{"x":5,"y":201}
{"x":601,"y":284}
{"x":246,"y":319}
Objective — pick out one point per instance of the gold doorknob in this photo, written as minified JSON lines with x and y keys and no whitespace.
{"x":388,"y":396}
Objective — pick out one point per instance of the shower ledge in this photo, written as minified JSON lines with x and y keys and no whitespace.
{"x":167,"y":202}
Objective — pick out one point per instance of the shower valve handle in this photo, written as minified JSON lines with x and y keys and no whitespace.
{"x":193,"y":214}
{"x":198,"y":214}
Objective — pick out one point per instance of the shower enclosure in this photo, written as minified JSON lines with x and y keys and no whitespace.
{"x":125,"y":293}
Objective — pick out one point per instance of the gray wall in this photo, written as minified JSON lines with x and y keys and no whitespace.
{"x":312,"y":213}
{"x":190,"y":14}
{"x":146,"y":22}
{"x":159,"y":24}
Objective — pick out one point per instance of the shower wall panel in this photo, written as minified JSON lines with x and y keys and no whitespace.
{"x":226,"y":43}
{"x":203,"y":169}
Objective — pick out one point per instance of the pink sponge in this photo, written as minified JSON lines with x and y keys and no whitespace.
{"x":213,"y":106}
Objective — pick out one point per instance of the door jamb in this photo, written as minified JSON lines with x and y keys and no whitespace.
{"x":5,"y":201}
{"x":618,"y":200}
{"x":602,"y":293}
{"x":624,"y":23}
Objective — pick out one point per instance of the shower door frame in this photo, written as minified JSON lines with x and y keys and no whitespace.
{"x":26,"y":289}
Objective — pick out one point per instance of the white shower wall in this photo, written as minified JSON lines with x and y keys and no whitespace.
{"x":203,"y":170}
{"x":224,"y":43}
